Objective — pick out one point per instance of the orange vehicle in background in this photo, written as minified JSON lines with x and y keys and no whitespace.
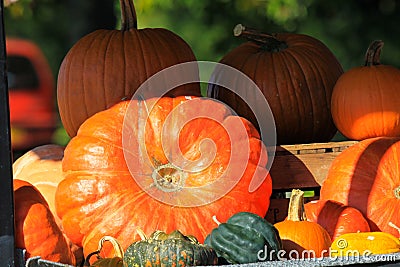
{"x":31,"y":86}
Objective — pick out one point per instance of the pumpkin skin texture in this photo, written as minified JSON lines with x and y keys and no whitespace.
{"x":336,"y":217}
{"x":173,"y":249}
{"x":302,"y":238}
{"x":41,"y":166}
{"x":99,"y":196}
{"x":118,"y":59}
{"x":35,"y":227}
{"x":366,"y":176}
{"x":366,"y":100}
{"x":296,"y":74}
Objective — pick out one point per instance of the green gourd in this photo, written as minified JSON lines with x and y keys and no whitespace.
{"x":168,"y":250}
{"x":245,"y":238}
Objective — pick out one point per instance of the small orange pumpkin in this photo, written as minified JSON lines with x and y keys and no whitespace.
{"x":302,"y":238}
{"x":366,"y":99}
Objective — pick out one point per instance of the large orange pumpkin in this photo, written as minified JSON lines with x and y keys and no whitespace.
{"x":366,"y":99}
{"x":367,"y":176}
{"x":36,"y":229}
{"x":106,"y":66}
{"x":173,"y":163}
{"x":295,"y":72}
{"x":336,"y":217}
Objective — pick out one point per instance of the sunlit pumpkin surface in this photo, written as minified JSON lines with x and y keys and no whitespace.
{"x":366,"y":100}
{"x":366,"y":176}
{"x":166,"y":165}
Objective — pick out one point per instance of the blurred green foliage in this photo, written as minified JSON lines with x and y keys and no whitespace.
{"x":346,"y":27}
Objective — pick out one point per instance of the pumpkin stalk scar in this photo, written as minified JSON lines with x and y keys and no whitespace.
{"x":396,"y":192}
{"x":169,"y":178}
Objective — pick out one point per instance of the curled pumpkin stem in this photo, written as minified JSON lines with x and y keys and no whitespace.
{"x":373,"y":54}
{"x":141,"y":233}
{"x":214,"y":218}
{"x":394,"y":226}
{"x":118,"y":251}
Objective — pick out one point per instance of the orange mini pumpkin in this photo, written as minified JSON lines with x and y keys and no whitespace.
{"x":302,"y":238}
{"x":366,"y":99}
{"x":114,"y":185}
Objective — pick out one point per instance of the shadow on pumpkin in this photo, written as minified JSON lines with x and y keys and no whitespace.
{"x":365,"y":176}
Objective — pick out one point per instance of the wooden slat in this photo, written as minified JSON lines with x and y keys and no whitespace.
{"x":303,"y":166}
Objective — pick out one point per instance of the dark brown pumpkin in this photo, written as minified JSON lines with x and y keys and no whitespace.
{"x":295,"y":72}
{"x":106,"y":66}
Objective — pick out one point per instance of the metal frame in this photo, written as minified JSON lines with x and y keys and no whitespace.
{"x":7,"y":241}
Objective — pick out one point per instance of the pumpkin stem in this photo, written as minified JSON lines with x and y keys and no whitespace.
{"x":128,"y":15}
{"x":296,"y":211}
{"x":141,"y":233}
{"x":268,"y":42}
{"x":118,"y":251}
{"x":373,"y":54}
{"x":394,"y":226}
{"x":214,"y":218}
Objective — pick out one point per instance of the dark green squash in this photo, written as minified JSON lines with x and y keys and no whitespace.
{"x":245,"y":238}
{"x":167,"y":250}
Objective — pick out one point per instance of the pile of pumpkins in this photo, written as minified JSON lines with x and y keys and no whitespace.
{"x":70,"y":201}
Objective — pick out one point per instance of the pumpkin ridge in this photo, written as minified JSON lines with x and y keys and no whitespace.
{"x":297,"y":58}
{"x":296,"y":66}
{"x":315,"y":94}
{"x":295,"y":93}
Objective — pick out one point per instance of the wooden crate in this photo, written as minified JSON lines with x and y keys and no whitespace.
{"x":304,"y":167}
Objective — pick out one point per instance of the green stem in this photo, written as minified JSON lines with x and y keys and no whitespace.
{"x":373,"y":54}
{"x":267,"y":41}
{"x":128,"y":15}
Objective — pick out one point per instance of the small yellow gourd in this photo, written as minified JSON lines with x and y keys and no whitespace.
{"x":364,"y":244}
